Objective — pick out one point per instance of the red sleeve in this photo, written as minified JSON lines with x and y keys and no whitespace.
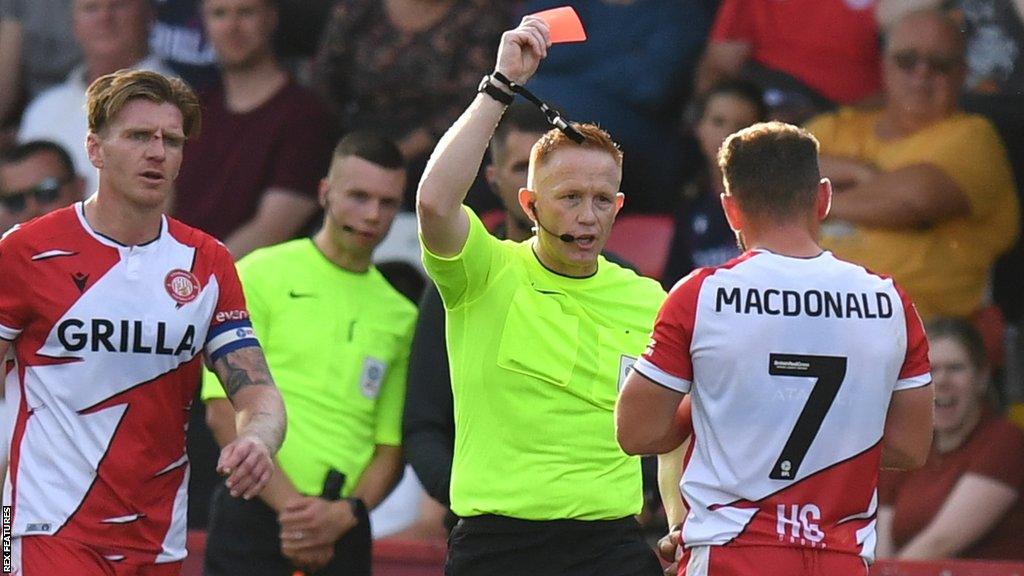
{"x":915,"y":363}
{"x":999,"y":453}
{"x":230,"y":327}
{"x":14,"y":305}
{"x":667,"y":357}
{"x":304,"y":153}
{"x":733,"y":22}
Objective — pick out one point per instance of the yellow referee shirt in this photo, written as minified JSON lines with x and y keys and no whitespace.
{"x":537,"y":360}
{"x":337,"y":343}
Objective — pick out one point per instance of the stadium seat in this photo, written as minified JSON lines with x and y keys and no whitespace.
{"x":946,"y":568}
{"x":642,"y":240}
{"x":990,"y":324}
{"x":492,"y":219}
{"x":426,"y":558}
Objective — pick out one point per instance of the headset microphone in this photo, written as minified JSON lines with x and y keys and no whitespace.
{"x":327,"y":208}
{"x":567,"y":238}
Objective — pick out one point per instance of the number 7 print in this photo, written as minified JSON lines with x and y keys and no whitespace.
{"x":830,"y":371}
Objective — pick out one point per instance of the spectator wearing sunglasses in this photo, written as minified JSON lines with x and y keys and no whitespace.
{"x":923,"y":191}
{"x":36,"y":178}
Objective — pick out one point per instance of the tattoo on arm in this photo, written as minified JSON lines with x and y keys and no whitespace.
{"x":241,"y":368}
{"x":259,"y":409}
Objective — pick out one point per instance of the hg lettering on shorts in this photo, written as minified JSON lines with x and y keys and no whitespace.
{"x":797,"y":522}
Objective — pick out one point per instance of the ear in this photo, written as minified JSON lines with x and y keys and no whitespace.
{"x":94,"y":150}
{"x":824,"y":201}
{"x":322,"y":191}
{"x":492,"y":179}
{"x":526,"y":199}
{"x":620,"y":201}
{"x":733,"y":214}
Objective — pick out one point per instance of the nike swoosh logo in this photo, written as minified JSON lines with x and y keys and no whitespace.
{"x":295,"y":294}
{"x":52,"y":254}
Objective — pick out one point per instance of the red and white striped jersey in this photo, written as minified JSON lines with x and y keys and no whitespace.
{"x":791,"y":364}
{"x":108,"y":341}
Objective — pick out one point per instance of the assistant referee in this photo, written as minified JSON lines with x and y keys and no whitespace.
{"x":540,"y":335}
{"x":337,"y":338}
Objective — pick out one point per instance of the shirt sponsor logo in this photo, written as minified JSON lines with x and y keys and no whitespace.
{"x":181,"y":285}
{"x":372,"y":377}
{"x":126,"y":336}
{"x":229,"y":315}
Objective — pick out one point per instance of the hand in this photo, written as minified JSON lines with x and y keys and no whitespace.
{"x":668,"y":549}
{"x":522,"y":49}
{"x":247,"y":463}
{"x":308,"y":523}
{"x":846,"y":172}
{"x":310,"y":560}
{"x":863,"y":172}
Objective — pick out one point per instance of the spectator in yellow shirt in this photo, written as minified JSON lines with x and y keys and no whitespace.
{"x":924,"y":192}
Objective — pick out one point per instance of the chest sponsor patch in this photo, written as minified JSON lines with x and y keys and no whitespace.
{"x":372,"y":377}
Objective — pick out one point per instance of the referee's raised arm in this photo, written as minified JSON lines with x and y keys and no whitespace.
{"x":456,"y":159}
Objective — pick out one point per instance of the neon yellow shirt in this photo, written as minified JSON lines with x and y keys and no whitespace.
{"x":337,"y":343}
{"x":537,"y":360}
{"x":944,"y":268}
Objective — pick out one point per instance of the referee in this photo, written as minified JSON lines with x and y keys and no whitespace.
{"x":540,"y":335}
{"x":337,"y":338}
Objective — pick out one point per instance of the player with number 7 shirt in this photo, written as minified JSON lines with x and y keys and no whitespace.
{"x":806,"y":374}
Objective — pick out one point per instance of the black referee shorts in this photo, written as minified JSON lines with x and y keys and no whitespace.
{"x":244,"y":540}
{"x":501,"y":546}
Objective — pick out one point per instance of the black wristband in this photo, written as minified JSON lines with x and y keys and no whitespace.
{"x":503,"y":79}
{"x":358,"y":507}
{"x":494,"y":92}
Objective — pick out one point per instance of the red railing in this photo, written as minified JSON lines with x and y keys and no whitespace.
{"x":423,"y":558}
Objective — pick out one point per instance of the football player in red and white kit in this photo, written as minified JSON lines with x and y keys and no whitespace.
{"x":109,"y":307}
{"x":806,"y":373}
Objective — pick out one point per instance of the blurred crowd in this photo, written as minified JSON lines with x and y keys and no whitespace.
{"x":920,"y":119}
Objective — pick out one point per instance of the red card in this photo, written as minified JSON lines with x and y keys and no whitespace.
{"x":564,"y":24}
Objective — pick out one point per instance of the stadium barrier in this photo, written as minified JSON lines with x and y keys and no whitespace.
{"x":426,"y":558}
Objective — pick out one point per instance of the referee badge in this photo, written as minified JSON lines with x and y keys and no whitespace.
{"x":625,"y":365}
{"x":372,"y":377}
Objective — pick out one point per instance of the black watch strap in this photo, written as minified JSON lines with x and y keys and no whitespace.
{"x":358,"y":507}
{"x":494,"y":92}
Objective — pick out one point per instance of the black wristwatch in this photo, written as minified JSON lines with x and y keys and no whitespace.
{"x":488,"y":87}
